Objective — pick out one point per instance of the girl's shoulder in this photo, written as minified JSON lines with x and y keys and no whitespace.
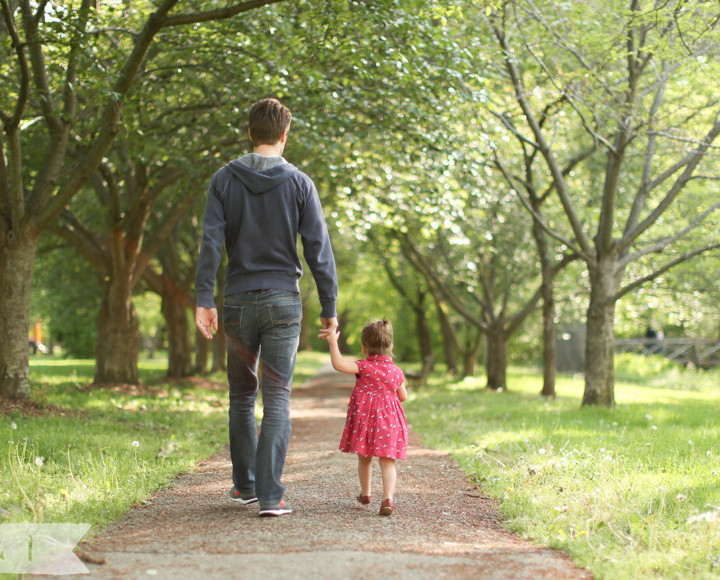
{"x":362,"y":364}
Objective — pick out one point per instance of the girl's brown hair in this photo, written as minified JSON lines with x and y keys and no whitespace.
{"x":377,"y":337}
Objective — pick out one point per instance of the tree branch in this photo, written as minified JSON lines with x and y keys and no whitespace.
{"x":81,"y":238}
{"x":661,"y":244}
{"x":39,"y":72}
{"x":137,"y":218}
{"x":11,"y":175}
{"x":13,"y":121}
{"x":106,"y":183}
{"x":510,"y":127}
{"x":69,"y":94}
{"x":660,"y":271}
{"x":536,"y":216}
{"x":692,"y":162}
{"x":108,"y":119}
{"x":422,"y":265}
{"x":150,"y":249}
{"x":572,"y":163}
{"x":641,"y":195}
{"x":544,"y":147}
{"x":389,"y":271}
{"x":616,"y":156}
{"x":111,"y":111}
{"x":566,"y":95}
{"x":218,"y":14}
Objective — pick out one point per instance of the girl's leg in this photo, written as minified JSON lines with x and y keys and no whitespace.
{"x":389,"y":477}
{"x":365,"y":474}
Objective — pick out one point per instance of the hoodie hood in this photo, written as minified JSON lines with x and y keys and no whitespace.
{"x":260,"y":174}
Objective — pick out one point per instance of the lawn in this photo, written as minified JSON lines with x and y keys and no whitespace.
{"x":88,"y":454}
{"x":629,"y":492}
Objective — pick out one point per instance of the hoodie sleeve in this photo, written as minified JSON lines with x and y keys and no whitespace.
{"x":317,"y":249}
{"x":211,"y":247}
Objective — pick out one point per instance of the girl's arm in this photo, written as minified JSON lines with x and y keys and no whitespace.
{"x":402,"y":393}
{"x":338,"y":363}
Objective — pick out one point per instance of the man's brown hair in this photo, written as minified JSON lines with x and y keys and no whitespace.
{"x":377,"y":337}
{"x":269,"y":119}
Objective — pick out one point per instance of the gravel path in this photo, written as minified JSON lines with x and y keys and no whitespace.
{"x":443,"y":527}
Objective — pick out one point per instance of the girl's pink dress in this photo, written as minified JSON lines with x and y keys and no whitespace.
{"x":375,"y":424}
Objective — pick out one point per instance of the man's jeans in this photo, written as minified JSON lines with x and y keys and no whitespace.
{"x":263,"y":323}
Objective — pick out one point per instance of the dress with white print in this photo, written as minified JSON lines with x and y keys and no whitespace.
{"x":375,"y":424}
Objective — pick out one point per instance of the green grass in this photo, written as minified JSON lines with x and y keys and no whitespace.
{"x":629,"y":492}
{"x":107,"y":449}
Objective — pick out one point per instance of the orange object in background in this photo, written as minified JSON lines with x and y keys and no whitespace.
{"x":38,"y":331}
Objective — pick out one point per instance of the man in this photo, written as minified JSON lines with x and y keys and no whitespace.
{"x":257,"y":205}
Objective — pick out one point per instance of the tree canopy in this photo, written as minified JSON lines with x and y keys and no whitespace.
{"x":466,"y":154}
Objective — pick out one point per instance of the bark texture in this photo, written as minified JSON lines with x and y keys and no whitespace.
{"x":496,"y":361}
{"x":174,"y":310}
{"x":600,"y":341}
{"x":16,"y":263}
{"x":118,"y":338}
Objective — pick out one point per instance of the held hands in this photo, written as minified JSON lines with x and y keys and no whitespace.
{"x":329,"y":328}
{"x":331,"y":335}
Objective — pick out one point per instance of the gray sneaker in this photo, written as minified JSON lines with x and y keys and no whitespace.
{"x":236,"y":496}
{"x":279,"y":509}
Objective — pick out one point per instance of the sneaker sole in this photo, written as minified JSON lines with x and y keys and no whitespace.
{"x":244,"y":501}
{"x":274,"y":512}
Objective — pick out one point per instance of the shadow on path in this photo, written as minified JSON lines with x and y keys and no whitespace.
{"x":443,"y":526}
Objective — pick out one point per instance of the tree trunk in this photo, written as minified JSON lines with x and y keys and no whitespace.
{"x":449,"y":339}
{"x":16,"y":264}
{"x":155,"y":342}
{"x":496,"y":358}
{"x":599,"y":344}
{"x":305,"y":343}
{"x":342,"y":339}
{"x":549,"y":345}
{"x":118,"y":339}
{"x":469,"y":362}
{"x":548,"y":307}
{"x":179,"y":349}
{"x":421,"y":327}
{"x":473,"y":344}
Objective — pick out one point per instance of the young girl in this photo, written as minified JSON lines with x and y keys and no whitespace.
{"x":375,"y":425}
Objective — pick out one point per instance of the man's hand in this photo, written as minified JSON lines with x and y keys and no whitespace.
{"x":329,"y":325}
{"x":206,"y":319}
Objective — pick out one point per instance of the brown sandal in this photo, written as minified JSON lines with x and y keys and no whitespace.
{"x":364,"y":499}
{"x":387,"y":507}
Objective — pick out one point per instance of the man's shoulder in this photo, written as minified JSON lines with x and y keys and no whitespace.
{"x":222,"y":174}
{"x":302,"y":178}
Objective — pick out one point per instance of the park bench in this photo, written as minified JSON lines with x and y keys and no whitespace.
{"x":419,"y":378}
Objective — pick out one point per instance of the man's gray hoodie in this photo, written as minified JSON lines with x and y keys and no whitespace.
{"x":258,"y":205}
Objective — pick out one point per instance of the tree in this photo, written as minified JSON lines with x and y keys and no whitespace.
{"x":411,"y":290}
{"x":483,"y":270}
{"x":49,"y":60}
{"x":629,"y":93}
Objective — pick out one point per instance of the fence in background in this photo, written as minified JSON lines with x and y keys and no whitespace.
{"x":700,"y":352}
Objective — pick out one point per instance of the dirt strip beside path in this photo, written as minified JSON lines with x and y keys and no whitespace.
{"x":443,"y":526}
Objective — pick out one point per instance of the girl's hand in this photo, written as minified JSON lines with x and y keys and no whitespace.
{"x":329,"y":334}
